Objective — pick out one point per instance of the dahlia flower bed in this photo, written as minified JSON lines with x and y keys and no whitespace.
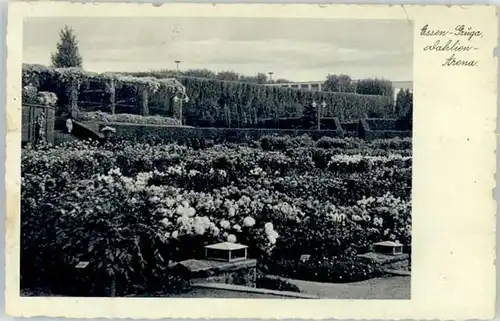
{"x":130,"y":209}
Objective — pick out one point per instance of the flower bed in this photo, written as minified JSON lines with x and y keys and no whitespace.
{"x":128,"y":209}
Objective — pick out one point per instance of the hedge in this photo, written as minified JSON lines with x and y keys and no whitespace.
{"x":127,"y":118}
{"x":213,"y":102}
{"x":296,"y":123}
{"x":245,"y":103}
{"x":194,"y":136}
{"x":373,"y":128}
{"x":388,"y":124}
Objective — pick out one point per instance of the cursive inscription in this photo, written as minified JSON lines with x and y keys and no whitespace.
{"x":458,"y":41}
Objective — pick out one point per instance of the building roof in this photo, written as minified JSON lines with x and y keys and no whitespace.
{"x":227,"y":246}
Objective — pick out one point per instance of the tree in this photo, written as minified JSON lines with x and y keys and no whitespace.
{"x":380,"y":87}
{"x":201,"y":73}
{"x":282,"y":81}
{"x":228,"y":75}
{"x":67,"y":54}
{"x":340,"y":83}
{"x":404,"y":103}
{"x":309,"y":117}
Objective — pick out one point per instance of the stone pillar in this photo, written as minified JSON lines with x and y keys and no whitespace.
{"x":144,"y":100}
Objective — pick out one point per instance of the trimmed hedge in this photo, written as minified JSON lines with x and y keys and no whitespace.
{"x":296,"y":123}
{"x":375,"y":128}
{"x":215,"y":102}
{"x":127,"y":118}
{"x":388,"y":124}
{"x":195,"y":136}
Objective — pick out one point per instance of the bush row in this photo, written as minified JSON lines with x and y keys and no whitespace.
{"x":126,"y":118}
{"x":214,"y":102}
{"x":296,"y":123}
{"x":196,"y":136}
{"x":372,"y":128}
{"x":268,"y":139}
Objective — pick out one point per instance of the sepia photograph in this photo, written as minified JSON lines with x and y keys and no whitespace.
{"x":216,"y":157}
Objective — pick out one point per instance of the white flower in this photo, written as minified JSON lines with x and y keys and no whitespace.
{"x":336,"y":217}
{"x":186,"y":210}
{"x":272,"y":233}
{"x":272,"y":240}
{"x":248,"y":221}
{"x":165,"y":221}
{"x":175,"y":234}
{"x":237,"y":227}
{"x":356,"y":218}
{"x":225,"y":224}
{"x":232,"y":211}
{"x":215,"y":231}
{"x":269,"y":226}
{"x":199,"y":229}
{"x":231,"y":238}
{"x":154,"y":199}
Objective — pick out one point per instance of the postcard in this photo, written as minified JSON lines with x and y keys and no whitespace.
{"x":251,"y":161}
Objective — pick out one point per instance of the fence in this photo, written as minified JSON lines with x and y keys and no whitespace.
{"x":37,"y":123}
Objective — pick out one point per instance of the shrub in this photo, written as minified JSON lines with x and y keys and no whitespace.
{"x":277,"y":284}
{"x":374,"y":128}
{"x":277,"y":142}
{"x":127,"y":118}
{"x":331,"y":142}
{"x":203,"y":137}
{"x":343,"y":269}
{"x":30,"y":94}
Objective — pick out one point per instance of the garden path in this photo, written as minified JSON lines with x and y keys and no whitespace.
{"x":394,"y":287}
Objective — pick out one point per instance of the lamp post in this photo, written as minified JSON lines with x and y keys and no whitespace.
{"x":323,"y":106}
{"x":177,"y":62}
{"x":271,"y":76}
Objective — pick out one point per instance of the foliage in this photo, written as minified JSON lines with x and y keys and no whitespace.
{"x":260,"y":78}
{"x":127,"y":118}
{"x":282,"y":81}
{"x":214,"y":103}
{"x":374,"y":87}
{"x":200,"y":137}
{"x":29,"y":94}
{"x":228,"y":75}
{"x":277,"y":284}
{"x":339,"y":83}
{"x":309,"y":116}
{"x":67,"y":54}
{"x":296,"y":122}
{"x":404,"y":106}
{"x":129,"y":209}
{"x":325,"y":269}
{"x":46,"y":98}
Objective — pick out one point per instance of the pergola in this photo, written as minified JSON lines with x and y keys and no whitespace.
{"x":73,"y":78}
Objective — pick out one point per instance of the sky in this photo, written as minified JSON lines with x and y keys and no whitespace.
{"x":291,"y":48}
